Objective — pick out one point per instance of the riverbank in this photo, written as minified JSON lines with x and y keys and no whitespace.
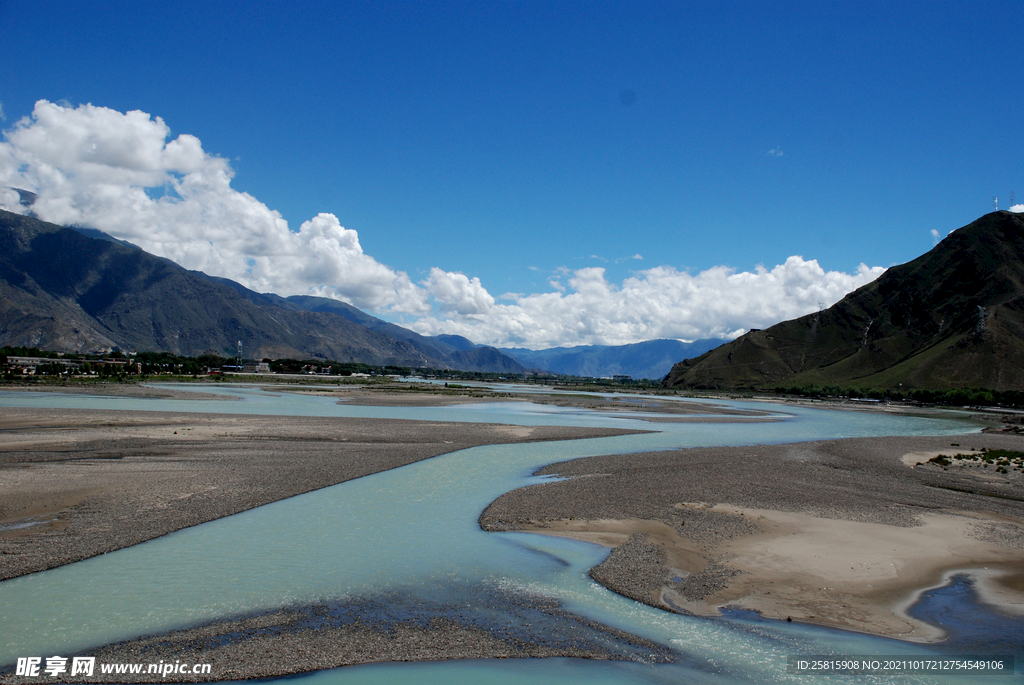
{"x":841,"y":533}
{"x":101,"y":389}
{"x":79,"y":483}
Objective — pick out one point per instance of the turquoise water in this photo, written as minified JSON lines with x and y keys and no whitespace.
{"x":413,"y":532}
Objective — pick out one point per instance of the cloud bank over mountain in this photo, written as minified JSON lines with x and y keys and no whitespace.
{"x":124,"y":174}
{"x":655,"y":303}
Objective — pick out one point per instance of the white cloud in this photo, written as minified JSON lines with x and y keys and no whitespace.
{"x":626,"y":259}
{"x":458,"y":294}
{"x":935,"y":237}
{"x":2,"y":116}
{"x":661,"y":302}
{"x":97,"y":167}
{"x":8,"y":196}
{"x":91,"y":166}
{"x":775,"y":152}
{"x":1019,"y":209}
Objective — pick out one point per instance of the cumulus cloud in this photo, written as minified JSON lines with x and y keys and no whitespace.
{"x":661,"y":302}
{"x":1019,"y":209}
{"x":458,"y":294}
{"x":124,"y":173}
{"x":92,"y":166}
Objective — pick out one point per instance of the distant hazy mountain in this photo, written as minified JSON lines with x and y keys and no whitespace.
{"x":651,"y":359}
{"x":81,"y":290}
{"x":952,"y":318}
{"x":457,"y":352}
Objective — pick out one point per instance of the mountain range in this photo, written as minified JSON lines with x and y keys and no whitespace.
{"x":81,"y":290}
{"x":952,"y":318}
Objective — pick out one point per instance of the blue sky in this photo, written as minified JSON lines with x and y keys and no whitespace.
{"x":518,"y":143}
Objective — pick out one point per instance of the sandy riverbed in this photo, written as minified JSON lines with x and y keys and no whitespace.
{"x":839,"y":533}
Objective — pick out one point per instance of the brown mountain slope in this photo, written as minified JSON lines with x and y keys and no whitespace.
{"x":952,"y":318}
{"x":60,"y":289}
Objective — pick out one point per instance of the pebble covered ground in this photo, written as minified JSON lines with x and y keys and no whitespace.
{"x":469,"y":623}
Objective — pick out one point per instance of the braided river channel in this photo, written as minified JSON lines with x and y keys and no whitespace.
{"x":412,"y":532}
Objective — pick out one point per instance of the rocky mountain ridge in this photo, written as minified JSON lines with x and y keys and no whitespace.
{"x":952,"y":318}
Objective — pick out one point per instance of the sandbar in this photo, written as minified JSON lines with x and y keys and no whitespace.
{"x":842,"y":533}
{"x":648,"y":407}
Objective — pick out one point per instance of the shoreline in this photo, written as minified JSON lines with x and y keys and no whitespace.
{"x":882,"y":612}
{"x":790,"y":531}
{"x":117,"y":390}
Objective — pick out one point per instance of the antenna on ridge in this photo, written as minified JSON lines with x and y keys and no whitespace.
{"x":995,"y":204}
{"x":1013,"y":201}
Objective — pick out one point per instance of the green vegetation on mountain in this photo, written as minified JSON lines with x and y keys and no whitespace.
{"x":952,"y":318}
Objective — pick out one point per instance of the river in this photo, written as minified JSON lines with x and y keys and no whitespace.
{"x":413,"y":532}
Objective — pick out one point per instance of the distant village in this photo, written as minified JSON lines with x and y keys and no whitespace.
{"x":62,"y":365}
